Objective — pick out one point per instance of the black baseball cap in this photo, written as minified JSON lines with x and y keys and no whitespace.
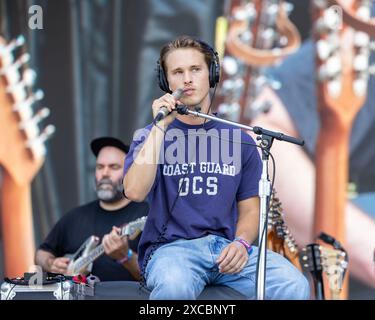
{"x":99,"y":143}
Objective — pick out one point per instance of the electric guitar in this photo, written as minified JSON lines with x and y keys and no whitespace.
{"x":82,"y":259}
{"x":22,"y":153}
{"x":342,"y":59}
{"x":257,"y":34}
{"x":279,"y":237}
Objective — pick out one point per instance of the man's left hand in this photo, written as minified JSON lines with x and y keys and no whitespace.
{"x":233,"y":258}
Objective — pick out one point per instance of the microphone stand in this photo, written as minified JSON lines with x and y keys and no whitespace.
{"x":266,"y":137}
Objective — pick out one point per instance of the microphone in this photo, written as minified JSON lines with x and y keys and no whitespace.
{"x":163,"y":112}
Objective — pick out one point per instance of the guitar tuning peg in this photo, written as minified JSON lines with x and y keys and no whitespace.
{"x":229,"y":111}
{"x":38,"y":95}
{"x":247,"y":12}
{"x":360,"y":62}
{"x":17,"y":91}
{"x":12,"y":76}
{"x":330,"y":69}
{"x":272,"y":12}
{"x":37,"y":145}
{"x":230,"y":65}
{"x":321,"y":4}
{"x":246,"y":36}
{"x":31,"y":130}
{"x":364,"y":12}
{"x":29,"y":76}
{"x":230,"y":86}
{"x":18,"y":42}
{"x":39,"y":116}
{"x":288,"y":7}
{"x":334,"y":87}
{"x":361,"y":39}
{"x":268,"y":37}
{"x":17,"y":64}
{"x":323,"y":49}
{"x":25,"y":113}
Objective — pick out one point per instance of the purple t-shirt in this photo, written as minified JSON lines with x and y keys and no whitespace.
{"x":202,"y":173}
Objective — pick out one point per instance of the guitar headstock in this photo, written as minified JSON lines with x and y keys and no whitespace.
{"x":334,"y":265}
{"x":22,"y":148}
{"x":277,"y":223}
{"x":257,"y":34}
{"x":132,"y":229}
{"x":310,"y":258}
{"x":342,"y":56}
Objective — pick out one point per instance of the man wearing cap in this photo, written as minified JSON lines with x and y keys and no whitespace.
{"x":101,"y":218}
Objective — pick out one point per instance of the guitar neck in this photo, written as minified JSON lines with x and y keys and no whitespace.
{"x":93,"y":255}
{"x":17,"y":226}
{"x":331,"y":180}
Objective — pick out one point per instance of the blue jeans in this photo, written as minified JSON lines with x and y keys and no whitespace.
{"x":180,"y":270}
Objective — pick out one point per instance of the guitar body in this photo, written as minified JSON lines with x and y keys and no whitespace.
{"x":74,"y":267}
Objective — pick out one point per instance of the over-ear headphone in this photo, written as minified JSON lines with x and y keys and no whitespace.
{"x":214,"y":69}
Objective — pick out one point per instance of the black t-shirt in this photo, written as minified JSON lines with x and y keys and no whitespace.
{"x":297,"y":92}
{"x":73,"y":229}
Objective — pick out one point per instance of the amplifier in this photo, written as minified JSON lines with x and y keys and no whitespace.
{"x":62,"y":290}
{"x":48,"y":286}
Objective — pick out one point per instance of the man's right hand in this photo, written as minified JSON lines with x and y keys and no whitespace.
{"x":59,"y":265}
{"x":169,"y":102}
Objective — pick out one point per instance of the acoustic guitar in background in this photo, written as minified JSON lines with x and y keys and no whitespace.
{"x":22,"y":153}
{"x":253,"y":35}
{"x":342,"y":62}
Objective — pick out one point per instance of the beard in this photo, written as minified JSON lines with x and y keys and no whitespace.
{"x":110,"y":194}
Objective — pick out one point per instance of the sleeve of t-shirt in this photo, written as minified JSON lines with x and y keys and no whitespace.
{"x":139,"y":139}
{"x":54,"y":241}
{"x":250,"y":173}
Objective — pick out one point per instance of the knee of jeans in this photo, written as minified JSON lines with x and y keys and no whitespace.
{"x":170,"y":277}
{"x":305,"y":288}
{"x":296,"y":285}
{"x":173,"y":284}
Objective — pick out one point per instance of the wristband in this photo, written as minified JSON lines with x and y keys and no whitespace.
{"x":126,"y":258}
{"x":247,"y":245}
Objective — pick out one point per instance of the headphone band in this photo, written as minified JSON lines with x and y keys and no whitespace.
{"x":214,"y":68}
